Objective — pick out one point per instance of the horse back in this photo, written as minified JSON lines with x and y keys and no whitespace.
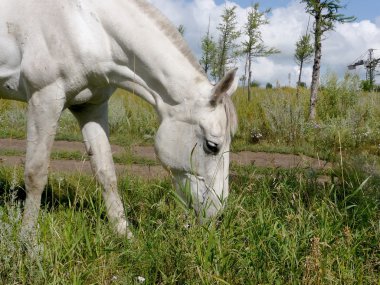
{"x":43,"y":42}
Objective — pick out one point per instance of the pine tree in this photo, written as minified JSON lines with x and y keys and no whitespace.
{"x":326,"y":15}
{"x":254,"y":45}
{"x":227,"y":47}
{"x":303,"y":54}
{"x":208,"y":52}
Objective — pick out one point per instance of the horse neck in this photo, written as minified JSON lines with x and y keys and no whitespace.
{"x":152,"y":50}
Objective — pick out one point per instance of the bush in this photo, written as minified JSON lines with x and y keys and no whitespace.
{"x":336,"y":97}
{"x":302,"y":84}
{"x":255,"y":84}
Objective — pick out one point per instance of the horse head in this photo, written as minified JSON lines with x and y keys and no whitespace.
{"x":193,"y":143}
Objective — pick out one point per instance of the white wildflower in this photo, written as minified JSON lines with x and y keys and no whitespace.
{"x":140,"y":279}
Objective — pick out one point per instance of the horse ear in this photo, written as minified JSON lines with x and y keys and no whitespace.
{"x":225,"y":87}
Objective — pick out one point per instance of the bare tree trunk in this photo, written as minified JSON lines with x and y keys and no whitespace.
{"x":249,"y":76}
{"x":316,"y":70}
{"x":245,"y":73}
{"x":299,"y":80}
{"x":222,"y":62}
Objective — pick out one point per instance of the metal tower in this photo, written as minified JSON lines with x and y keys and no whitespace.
{"x":370,"y":64}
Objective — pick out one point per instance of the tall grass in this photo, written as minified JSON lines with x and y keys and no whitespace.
{"x":279,"y":228}
{"x":135,"y":120}
{"x":131,"y":121}
{"x":347,"y":118}
{"x":12,"y":119}
{"x":274,"y":120}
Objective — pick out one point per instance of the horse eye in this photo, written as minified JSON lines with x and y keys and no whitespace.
{"x":211,"y":147}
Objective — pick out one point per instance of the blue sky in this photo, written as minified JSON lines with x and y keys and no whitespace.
{"x":362,"y":9}
{"x":287,"y":21}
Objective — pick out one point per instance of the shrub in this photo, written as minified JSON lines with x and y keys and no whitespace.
{"x":338,"y":96}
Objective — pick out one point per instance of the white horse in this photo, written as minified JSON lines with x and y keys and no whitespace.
{"x":73,"y":54}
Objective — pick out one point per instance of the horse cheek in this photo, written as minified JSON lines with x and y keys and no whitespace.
{"x":174,"y":144}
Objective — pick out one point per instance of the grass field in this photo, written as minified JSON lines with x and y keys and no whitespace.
{"x":280,"y":226}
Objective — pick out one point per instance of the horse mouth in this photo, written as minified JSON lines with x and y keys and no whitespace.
{"x":194,"y":193}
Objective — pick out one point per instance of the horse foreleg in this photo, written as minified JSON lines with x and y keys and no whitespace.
{"x":93,"y":120}
{"x":44,"y":110}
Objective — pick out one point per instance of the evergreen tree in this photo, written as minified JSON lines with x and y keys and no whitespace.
{"x":227,"y":48}
{"x":254,"y":45}
{"x":326,"y":15}
{"x":208,"y":52}
{"x":303,"y":54}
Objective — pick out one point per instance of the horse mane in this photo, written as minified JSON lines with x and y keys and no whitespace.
{"x":169,"y":30}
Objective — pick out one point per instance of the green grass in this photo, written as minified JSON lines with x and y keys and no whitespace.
{"x":279,"y":227}
{"x":131,"y":121}
{"x":347,"y":118}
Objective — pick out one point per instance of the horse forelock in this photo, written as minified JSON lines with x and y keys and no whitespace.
{"x":232,"y":121}
{"x":170,"y":31}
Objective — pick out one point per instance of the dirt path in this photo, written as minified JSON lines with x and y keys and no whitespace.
{"x":259,"y":159}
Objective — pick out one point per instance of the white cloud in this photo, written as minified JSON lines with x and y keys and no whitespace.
{"x":340,"y":48}
{"x":349,"y":41}
{"x":286,"y":24}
